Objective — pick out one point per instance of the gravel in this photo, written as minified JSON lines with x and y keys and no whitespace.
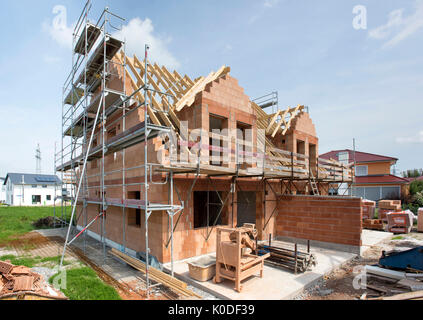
{"x":47,"y":273}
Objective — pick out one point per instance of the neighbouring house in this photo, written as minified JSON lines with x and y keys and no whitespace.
{"x":373,"y":174}
{"x":24,"y":189}
{"x":414,"y":179}
{"x":2,"y":191}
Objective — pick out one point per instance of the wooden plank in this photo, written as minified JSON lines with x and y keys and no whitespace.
{"x":273,"y":121}
{"x":173,"y":79}
{"x":169,"y":83}
{"x":280,"y":123}
{"x":189,"y":97}
{"x":156,"y":275}
{"x":403,"y":296}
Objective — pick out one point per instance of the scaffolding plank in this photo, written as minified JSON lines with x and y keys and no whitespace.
{"x":96,"y":62}
{"x":92,"y":33}
{"x":78,"y":129}
{"x":74,"y":96}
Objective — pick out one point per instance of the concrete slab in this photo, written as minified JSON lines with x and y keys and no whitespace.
{"x":371,"y":238}
{"x":276,"y":284}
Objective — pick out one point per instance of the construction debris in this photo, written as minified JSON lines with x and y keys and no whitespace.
{"x":386,"y":273}
{"x":47,"y":222}
{"x":387,"y":282}
{"x":19,"y":282}
{"x":403,"y":260}
{"x":413,"y":285}
{"x":418,"y":295}
{"x":294,"y":260}
{"x":373,"y":224}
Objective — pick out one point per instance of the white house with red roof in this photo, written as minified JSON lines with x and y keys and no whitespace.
{"x":373,"y":175}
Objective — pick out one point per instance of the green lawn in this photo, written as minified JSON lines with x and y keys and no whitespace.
{"x":84,"y":284}
{"x":16,"y":221}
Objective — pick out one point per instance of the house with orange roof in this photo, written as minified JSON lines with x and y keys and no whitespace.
{"x":373,"y":174}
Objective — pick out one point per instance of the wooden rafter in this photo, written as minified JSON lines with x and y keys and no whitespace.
{"x":199,"y":86}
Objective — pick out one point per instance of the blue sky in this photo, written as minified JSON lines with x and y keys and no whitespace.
{"x":364,"y":84}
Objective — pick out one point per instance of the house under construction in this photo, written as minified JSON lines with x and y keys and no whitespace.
{"x":159,"y":159}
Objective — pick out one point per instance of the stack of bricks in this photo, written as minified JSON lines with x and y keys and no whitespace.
{"x":420,"y":220}
{"x":373,"y":224}
{"x":368,"y":209}
{"x":400,"y":222}
{"x":387,"y":206}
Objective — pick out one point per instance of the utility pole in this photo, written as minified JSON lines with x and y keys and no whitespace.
{"x":38,"y":160}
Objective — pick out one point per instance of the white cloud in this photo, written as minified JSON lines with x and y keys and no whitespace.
{"x":418,"y":138}
{"x":270,"y":3}
{"x":227,"y":48}
{"x":51,"y":59}
{"x":58,"y":29}
{"x":264,"y":6}
{"x":399,"y":26}
{"x":138,"y":33}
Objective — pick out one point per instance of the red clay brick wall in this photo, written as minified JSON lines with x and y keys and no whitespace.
{"x":189,"y":241}
{"x":326,"y":219}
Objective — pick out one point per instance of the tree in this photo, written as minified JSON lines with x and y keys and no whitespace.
{"x":413,"y":173}
{"x":416,"y":187}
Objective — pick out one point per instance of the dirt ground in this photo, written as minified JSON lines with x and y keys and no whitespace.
{"x":35,"y":245}
{"x":338,"y":285}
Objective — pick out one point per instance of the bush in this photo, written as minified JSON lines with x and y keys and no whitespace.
{"x":414,"y":202}
{"x":416,"y":187}
{"x":412,"y":207}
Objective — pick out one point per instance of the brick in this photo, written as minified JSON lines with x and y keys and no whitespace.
{"x":319,"y":218}
{"x":5,"y":267}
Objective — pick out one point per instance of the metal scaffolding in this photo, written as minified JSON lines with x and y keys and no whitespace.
{"x":88,"y":102}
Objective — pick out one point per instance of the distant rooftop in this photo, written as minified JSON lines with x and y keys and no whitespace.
{"x":381,"y":179}
{"x":414,"y":179}
{"x":32,"y":179}
{"x":359,"y":156}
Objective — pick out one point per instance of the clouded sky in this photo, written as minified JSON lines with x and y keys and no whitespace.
{"x":358,"y":83}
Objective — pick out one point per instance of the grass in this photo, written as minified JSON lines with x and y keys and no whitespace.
{"x":83,"y":284}
{"x":56,"y":260}
{"x":398,"y":238}
{"x":16,"y":221}
{"x":31,"y":262}
{"x":21,"y":261}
